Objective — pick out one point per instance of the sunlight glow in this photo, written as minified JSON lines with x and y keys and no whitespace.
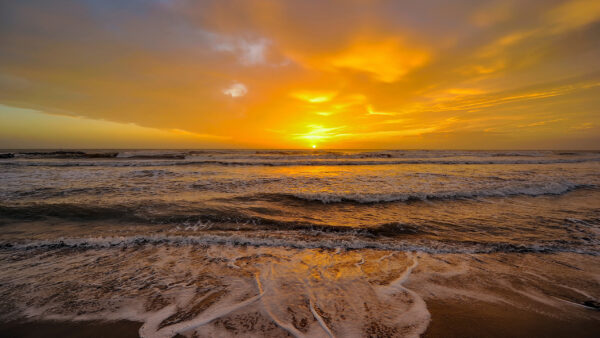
{"x":319,"y":133}
{"x":372,"y":112}
{"x":314,"y":97}
{"x":386,"y":61}
{"x":334,"y":74}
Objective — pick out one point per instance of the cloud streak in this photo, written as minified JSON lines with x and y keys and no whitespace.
{"x":394,"y":74}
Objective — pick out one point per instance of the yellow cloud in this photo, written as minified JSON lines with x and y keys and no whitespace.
{"x":386,"y":61}
{"x":298,"y":69}
{"x":500,"y":45}
{"x":314,"y":96}
{"x":182,"y":132}
{"x":391,"y":133}
{"x":583,"y":126}
{"x":324,"y":113}
{"x":348,"y":101}
{"x":465,"y":91}
{"x":373,"y":112}
{"x":494,"y":66}
{"x":35,"y":126}
{"x":319,"y":133}
{"x":492,"y":14}
{"x":574,"y":14}
{"x":540,"y":123}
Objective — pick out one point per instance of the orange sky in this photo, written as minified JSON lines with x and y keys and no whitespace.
{"x":292,"y":74}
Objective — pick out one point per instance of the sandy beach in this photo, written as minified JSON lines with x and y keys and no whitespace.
{"x":448,"y":319}
{"x":246,"y":291}
{"x":308,"y":244}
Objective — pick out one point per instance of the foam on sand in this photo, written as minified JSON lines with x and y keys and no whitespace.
{"x":307,"y":293}
{"x":216,"y":290}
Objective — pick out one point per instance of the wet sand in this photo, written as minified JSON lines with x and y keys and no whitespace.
{"x":448,"y":319}
{"x":66,"y":329}
{"x":479,"y":319}
{"x":259,"y":292}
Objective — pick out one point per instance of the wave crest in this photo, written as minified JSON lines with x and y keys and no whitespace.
{"x":369,"y":198}
{"x":320,"y":242}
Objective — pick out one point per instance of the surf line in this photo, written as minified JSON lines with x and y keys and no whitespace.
{"x":147,"y":329}
{"x":320,"y":319}
{"x":418,"y":310}
{"x":289,"y":328}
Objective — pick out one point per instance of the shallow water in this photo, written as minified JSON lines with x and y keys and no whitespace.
{"x":473,"y":202}
{"x":281,"y":242}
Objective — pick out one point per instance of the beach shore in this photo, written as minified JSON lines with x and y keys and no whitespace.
{"x":274,"y":292}
{"x":448,"y":319}
{"x":479,"y":319}
{"x":70,"y":329}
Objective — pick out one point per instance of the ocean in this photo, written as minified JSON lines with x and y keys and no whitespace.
{"x":295,"y":242}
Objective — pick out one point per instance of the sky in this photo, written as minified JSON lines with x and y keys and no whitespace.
{"x":461,"y":74}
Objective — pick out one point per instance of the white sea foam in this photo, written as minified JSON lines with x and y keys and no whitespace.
{"x":220,"y":243}
{"x":154,"y":161}
{"x":544,"y":188}
{"x":417,"y":315}
{"x":277,"y":287}
{"x":281,"y":239}
{"x":308,"y":293}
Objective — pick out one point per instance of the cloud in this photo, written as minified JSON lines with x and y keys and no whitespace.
{"x":320,"y":133}
{"x":249,"y":52}
{"x":236,"y":90}
{"x":388,"y":71}
{"x":385,"y":61}
{"x":540,"y":123}
{"x":314,"y":96}
{"x":583,"y":126}
{"x":36,"y":129}
{"x":373,"y":112}
{"x":573,"y":14}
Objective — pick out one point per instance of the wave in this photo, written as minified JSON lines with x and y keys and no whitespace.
{"x":47,"y":192}
{"x":321,"y":242}
{"x":291,"y":153}
{"x":154,"y":157}
{"x":370,"y":198}
{"x":64,"y":154}
{"x":69,"y":211}
{"x":195,"y":218}
{"x":153,"y":212}
{"x":365,"y":154}
{"x":290,"y":157}
{"x":163,"y":212}
{"x":151,"y":173}
{"x":142,"y":162}
{"x":232,"y":183}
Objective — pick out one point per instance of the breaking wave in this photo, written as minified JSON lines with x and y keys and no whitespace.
{"x":369,"y":198}
{"x":279,"y":158}
{"x":320,"y":242}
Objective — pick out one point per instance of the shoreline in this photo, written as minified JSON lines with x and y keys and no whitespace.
{"x":449,"y":318}
{"x":70,"y":329}
{"x":481,"y":319}
{"x":212,"y":290}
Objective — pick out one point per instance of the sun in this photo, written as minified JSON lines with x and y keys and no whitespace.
{"x":314,"y":146}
